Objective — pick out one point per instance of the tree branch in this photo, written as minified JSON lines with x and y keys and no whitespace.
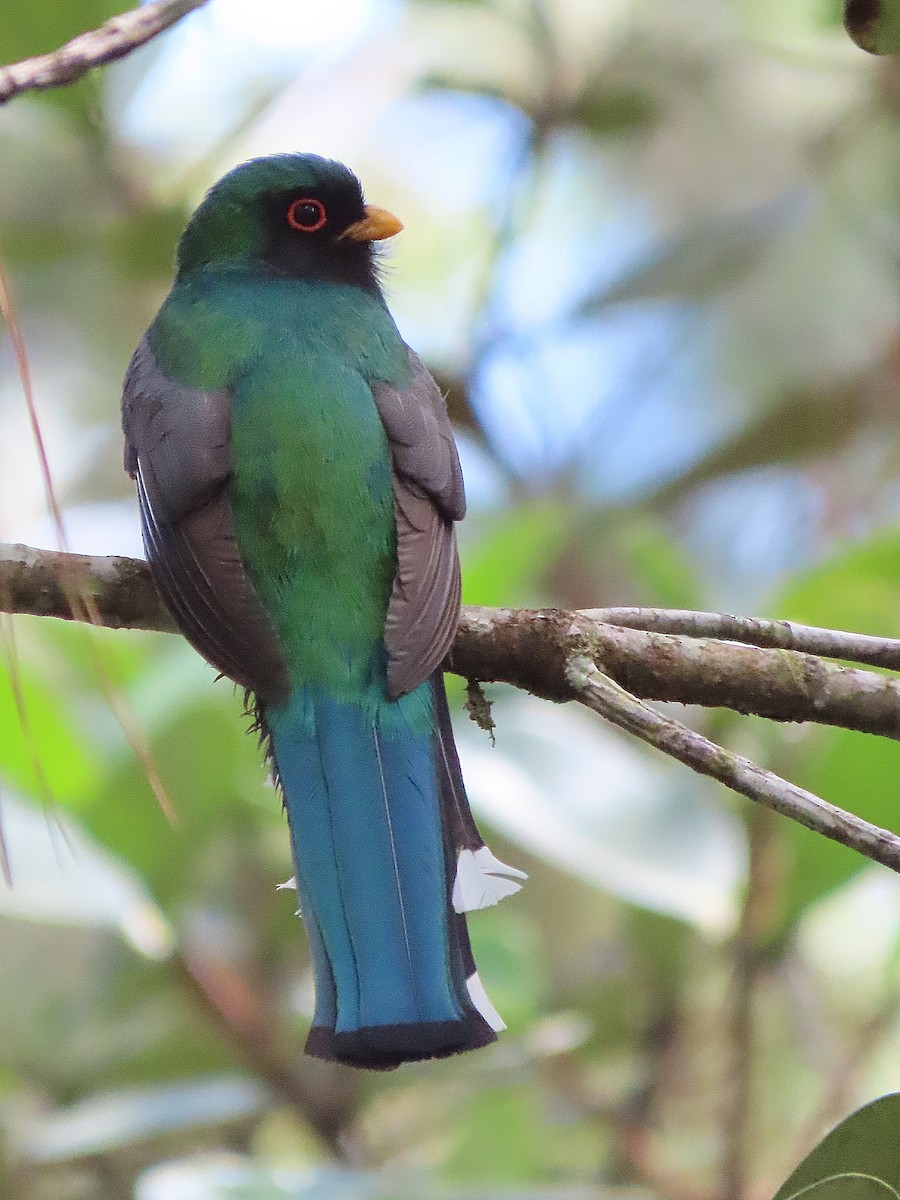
{"x":531,"y":648}
{"x":114,"y":39}
{"x":572,"y":656}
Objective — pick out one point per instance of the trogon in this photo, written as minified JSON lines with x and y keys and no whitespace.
{"x":298,"y":485}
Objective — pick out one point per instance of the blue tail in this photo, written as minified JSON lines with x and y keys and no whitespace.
{"x":375,"y":806}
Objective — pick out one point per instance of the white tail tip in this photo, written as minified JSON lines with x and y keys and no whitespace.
{"x":479,"y":998}
{"x":482,"y":880}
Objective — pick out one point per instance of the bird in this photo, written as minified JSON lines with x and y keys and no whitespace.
{"x":299,"y":484}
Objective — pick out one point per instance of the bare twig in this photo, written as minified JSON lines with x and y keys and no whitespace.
{"x":114,"y":39}
{"x":781,"y":635}
{"x":605,"y":696}
{"x":324,"y":1094}
{"x":758,"y":911}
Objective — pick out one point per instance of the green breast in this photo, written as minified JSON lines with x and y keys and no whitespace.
{"x":311,"y":486}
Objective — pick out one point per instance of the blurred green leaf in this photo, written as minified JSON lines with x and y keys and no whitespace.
{"x":874,"y":24}
{"x":31,"y":29}
{"x":571,"y":792}
{"x":39,"y":28}
{"x":505,"y":553}
{"x":857,"y":589}
{"x":213,"y":799}
{"x":857,"y":772}
{"x":144,"y":244}
{"x":499,"y":1139}
{"x":60,"y":876}
{"x":507,"y":949}
{"x":50,"y":746}
{"x":658,"y":563}
{"x":866,"y":1144}
{"x":610,"y":113}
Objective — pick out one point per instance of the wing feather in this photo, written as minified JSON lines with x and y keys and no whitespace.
{"x":429,"y":497}
{"x":178,"y":450}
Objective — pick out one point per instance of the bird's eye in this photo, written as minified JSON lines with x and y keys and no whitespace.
{"x":307,"y":215}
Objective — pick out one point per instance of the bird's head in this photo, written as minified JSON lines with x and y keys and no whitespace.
{"x":292,"y":215}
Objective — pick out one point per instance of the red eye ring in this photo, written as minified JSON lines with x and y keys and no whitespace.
{"x":308,"y":222}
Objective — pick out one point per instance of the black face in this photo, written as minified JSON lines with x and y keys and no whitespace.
{"x":304,"y":236}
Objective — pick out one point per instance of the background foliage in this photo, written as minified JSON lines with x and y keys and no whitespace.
{"x":652,"y":255}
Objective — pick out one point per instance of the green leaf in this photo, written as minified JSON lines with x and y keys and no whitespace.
{"x":500,"y":1140}
{"x":579,"y":796}
{"x":865,"y":1144}
{"x":847,"y":1187}
{"x":29,"y":29}
{"x":659,"y":565}
{"x":507,"y":949}
{"x":858,"y":590}
{"x":61,"y":877}
{"x":143,"y":244}
{"x":874,"y":25}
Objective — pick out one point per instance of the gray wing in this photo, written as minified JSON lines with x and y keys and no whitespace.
{"x":428,"y":497}
{"x":177,"y":449}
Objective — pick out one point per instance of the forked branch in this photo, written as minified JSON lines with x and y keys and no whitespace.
{"x":586,"y":657}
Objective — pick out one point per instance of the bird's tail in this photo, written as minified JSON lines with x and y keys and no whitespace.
{"x":388,"y":860}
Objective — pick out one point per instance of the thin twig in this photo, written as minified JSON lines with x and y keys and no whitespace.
{"x":114,"y":39}
{"x":326,"y":1095}
{"x":755,"y":631}
{"x":756,"y":918}
{"x":605,"y":696}
{"x":80,"y":601}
